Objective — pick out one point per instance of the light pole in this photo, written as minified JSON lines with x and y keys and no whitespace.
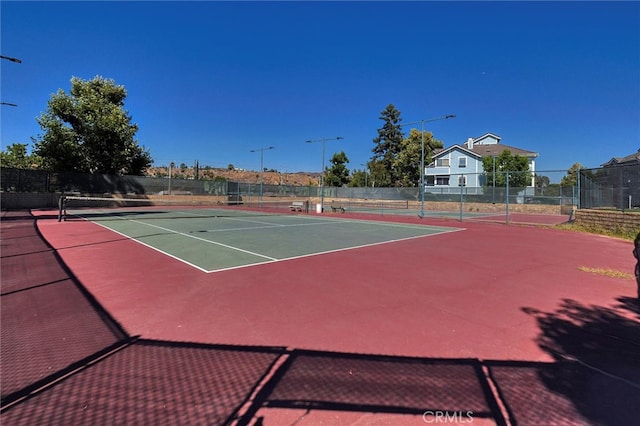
{"x":171,"y":166}
{"x":366,"y":174}
{"x":445,"y":117}
{"x":262,"y":150}
{"x":323,"y":140}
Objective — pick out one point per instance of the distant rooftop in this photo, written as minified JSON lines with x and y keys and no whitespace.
{"x":629,"y":159}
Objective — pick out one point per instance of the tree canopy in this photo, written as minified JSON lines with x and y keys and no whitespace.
{"x":87,"y":130}
{"x":338,"y":173}
{"x":396,"y":160}
{"x":517,"y":165}
{"x":408,"y":160}
{"x":571,"y":179}
{"x":15,"y":155}
{"x":379,"y":175}
{"x":359,"y":178}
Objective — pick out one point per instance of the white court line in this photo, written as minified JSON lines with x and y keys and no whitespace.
{"x":240,"y":219}
{"x":249,"y":228}
{"x":205,"y":240}
{"x":333,"y":251}
{"x":330,"y":220}
{"x":321,"y":221}
{"x":269,"y":259}
{"x":128,"y":237}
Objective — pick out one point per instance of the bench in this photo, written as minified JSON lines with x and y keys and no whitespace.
{"x":337,"y":205}
{"x":297,"y":206}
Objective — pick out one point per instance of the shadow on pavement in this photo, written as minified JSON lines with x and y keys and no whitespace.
{"x":597,"y":373}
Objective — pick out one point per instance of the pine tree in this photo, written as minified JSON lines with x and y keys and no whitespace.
{"x":388,"y":146}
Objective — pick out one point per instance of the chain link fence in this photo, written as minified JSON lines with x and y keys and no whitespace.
{"x":470,"y":191}
{"x":612,"y":187}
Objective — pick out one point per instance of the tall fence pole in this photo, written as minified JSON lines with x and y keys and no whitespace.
{"x":461,"y":184}
{"x":461,"y":188}
{"x":507,"y":201}
{"x":579,"y":193}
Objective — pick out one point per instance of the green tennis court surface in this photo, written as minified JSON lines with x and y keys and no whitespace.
{"x":213,"y":240}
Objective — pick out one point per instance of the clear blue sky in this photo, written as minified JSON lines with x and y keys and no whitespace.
{"x":210,"y":81}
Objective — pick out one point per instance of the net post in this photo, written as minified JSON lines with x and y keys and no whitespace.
{"x":61,"y":207}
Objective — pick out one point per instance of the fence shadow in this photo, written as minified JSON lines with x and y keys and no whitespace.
{"x":50,"y":323}
{"x":152,"y":382}
{"x":320,"y":380}
{"x":597,"y":350}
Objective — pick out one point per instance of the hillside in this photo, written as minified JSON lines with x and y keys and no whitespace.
{"x":270,"y":178}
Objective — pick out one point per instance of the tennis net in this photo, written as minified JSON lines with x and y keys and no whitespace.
{"x":114,"y":208}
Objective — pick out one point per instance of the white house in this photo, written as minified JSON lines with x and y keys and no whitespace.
{"x":450,"y":164}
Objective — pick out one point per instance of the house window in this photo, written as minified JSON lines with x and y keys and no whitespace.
{"x":442,"y":162}
{"x":429,"y":180}
{"x":442,"y":180}
{"x":462,"y":162}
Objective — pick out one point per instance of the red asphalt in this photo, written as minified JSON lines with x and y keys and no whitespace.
{"x":465,"y":294}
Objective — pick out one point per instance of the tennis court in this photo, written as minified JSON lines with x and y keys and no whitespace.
{"x":347,"y":321}
{"x":222,"y":238}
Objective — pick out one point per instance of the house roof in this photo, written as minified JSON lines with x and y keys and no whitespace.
{"x":496,"y":149}
{"x":487,"y":135}
{"x":635,"y":157}
{"x":486,"y":150}
{"x":440,"y":152}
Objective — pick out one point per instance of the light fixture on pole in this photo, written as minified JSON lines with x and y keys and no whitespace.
{"x":9,"y":58}
{"x":446,"y":117}
{"x":262,"y":150}
{"x":323,"y":140}
{"x":18,"y":61}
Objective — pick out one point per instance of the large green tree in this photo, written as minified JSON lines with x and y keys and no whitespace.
{"x":359,"y":178}
{"x":338,"y":173}
{"x":379,"y":175}
{"x":388,"y":145}
{"x":517,"y":165}
{"x":15,"y":155}
{"x":88,"y":130}
{"x":408,"y":160}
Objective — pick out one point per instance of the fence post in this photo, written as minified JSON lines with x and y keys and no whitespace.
{"x":507,"y":200}
{"x":579,"y":193}
{"x":461,"y":185}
